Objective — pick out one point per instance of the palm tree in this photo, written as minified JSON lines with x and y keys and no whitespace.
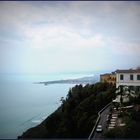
{"x":120,"y":91}
{"x":124,"y":92}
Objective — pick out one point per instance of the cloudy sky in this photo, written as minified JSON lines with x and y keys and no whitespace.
{"x":44,"y":37}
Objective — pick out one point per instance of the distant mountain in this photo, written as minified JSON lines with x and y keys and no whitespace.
{"x":83,"y":80}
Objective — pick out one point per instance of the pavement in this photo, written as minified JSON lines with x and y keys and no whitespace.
{"x":102,"y":122}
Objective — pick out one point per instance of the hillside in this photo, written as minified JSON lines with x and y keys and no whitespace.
{"x":77,"y":114}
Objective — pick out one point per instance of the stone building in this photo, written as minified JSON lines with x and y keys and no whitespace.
{"x":108,"y":78}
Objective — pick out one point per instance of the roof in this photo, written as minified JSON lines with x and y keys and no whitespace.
{"x":128,"y":71}
{"x":106,"y":74}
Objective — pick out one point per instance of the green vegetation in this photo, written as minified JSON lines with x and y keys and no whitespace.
{"x":77,"y":114}
{"x":131,"y":117}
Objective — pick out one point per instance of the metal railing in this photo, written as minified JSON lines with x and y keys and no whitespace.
{"x":99,"y":116}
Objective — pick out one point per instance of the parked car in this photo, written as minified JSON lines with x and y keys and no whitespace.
{"x":99,"y":128}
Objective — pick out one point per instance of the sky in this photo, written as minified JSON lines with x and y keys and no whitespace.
{"x":69,"y":36}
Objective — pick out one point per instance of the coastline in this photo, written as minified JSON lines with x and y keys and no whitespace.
{"x":83,"y":80}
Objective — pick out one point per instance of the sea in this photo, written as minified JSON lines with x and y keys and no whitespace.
{"x":24,"y":104}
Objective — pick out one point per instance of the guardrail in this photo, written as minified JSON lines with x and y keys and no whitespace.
{"x":99,"y":116}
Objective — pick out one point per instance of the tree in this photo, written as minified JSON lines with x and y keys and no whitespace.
{"x":120,"y":92}
{"x":124,"y":92}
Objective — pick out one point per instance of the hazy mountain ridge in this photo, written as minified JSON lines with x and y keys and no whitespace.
{"x":82,"y":80}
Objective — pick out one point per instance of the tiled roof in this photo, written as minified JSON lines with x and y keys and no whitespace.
{"x":128,"y":71}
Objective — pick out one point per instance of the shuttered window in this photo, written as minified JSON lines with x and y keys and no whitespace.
{"x":121,"y":77}
{"x":131,"y":77}
{"x":138,"y":77}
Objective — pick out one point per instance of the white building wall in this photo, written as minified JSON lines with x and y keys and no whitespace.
{"x":126,"y":79}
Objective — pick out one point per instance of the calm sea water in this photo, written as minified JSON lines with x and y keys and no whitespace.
{"x":24,"y":104}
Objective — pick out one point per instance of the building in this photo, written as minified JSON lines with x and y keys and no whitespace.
{"x":113,"y":78}
{"x":130,"y":78}
{"x":104,"y":77}
{"x":108,"y":78}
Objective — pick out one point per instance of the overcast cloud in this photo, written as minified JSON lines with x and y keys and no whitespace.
{"x":44,"y":37}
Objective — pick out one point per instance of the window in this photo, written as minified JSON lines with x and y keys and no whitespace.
{"x":121,"y":77}
{"x":137,"y":88}
{"x":131,"y":87}
{"x":131,"y":77}
{"x":138,"y":77}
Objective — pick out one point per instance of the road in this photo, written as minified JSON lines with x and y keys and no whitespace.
{"x":102,"y":122}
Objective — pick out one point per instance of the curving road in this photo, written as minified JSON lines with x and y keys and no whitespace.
{"x":102,"y":122}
